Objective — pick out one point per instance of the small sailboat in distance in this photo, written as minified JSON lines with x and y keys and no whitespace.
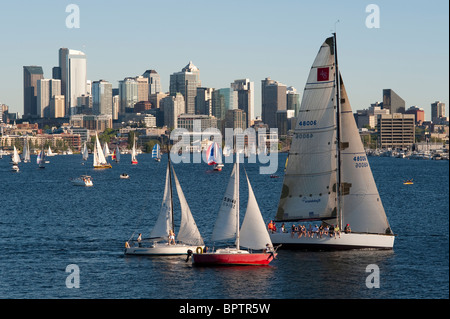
{"x":99,"y":157}
{"x":156,"y":153}
{"x":214,"y":156}
{"x":328,"y":178}
{"x":134,"y":161}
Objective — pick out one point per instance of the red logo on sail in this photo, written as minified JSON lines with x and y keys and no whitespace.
{"x":323,"y":74}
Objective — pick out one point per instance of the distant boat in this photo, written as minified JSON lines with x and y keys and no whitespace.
{"x":328,"y":177}
{"x":156,"y":153}
{"x":99,"y":158}
{"x":408,"y":182}
{"x":134,"y":161}
{"x":15,"y":168}
{"x":26,"y":151}
{"x":15,"y":158}
{"x":106,"y":149}
{"x":116,"y":155}
{"x":252,"y":234}
{"x":188,"y":237}
{"x":49,"y":152}
{"x":214,"y":156}
{"x":85,"y":152}
{"x":83,"y":180}
{"x":40,"y":160}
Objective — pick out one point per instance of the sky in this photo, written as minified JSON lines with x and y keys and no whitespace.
{"x":407,"y":52}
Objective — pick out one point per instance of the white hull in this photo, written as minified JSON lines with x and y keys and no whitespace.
{"x":345,"y":242}
{"x":161,"y":249}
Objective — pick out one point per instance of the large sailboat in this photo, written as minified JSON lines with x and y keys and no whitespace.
{"x":328,"y":179}
{"x":252,"y":234}
{"x":99,"y":157}
{"x":162,"y":237}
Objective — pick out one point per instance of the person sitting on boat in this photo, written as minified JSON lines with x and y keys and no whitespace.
{"x":331,"y":232}
{"x":269,"y":248}
{"x":270,"y":227}
{"x":139,"y":239}
{"x":337,"y":231}
{"x":326,"y":229}
{"x":283,"y":228}
{"x":294,"y":229}
{"x":171,"y":237}
{"x":314,"y":231}
{"x":347,"y":229}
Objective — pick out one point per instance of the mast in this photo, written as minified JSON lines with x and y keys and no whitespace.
{"x":171,"y":195}
{"x":236,"y":187}
{"x":338,"y":134}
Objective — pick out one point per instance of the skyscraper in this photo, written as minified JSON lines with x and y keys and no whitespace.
{"x":31,"y":74}
{"x":186,"y":82}
{"x":128,"y":92}
{"x":292,"y":100}
{"x":73,"y":71}
{"x":245,"y":97}
{"x":154,"y":81}
{"x":203,"y":101}
{"x":173,"y":106}
{"x":223,"y":100}
{"x":102,"y":97}
{"x":393,"y":102}
{"x":46,"y":90}
{"x":273,"y":100}
{"x":437,"y":110}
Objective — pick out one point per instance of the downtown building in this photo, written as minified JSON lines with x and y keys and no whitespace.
{"x":48,"y":90}
{"x":72,"y":72}
{"x":274,"y":99}
{"x":102,"y":98}
{"x":186,"y":82}
{"x":245,"y":98}
{"x":396,"y":131}
{"x":31,"y":75}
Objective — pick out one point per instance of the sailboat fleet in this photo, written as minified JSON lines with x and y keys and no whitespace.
{"x":327,"y":181}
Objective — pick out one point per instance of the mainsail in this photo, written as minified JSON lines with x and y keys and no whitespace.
{"x":164,"y":222}
{"x":309,"y":186}
{"x":99,"y":157}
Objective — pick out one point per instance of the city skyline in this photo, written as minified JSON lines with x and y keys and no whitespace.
{"x":408,"y":53}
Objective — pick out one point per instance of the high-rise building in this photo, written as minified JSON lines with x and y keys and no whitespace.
{"x":418,"y":112}
{"x":393,"y":102}
{"x":396,"y":130}
{"x":154,"y":81}
{"x":128,"y":92}
{"x":273,"y":100}
{"x":142,"y":86}
{"x":173,"y":106}
{"x":57,"y":106}
{"x":31,"y":74}
{"x":102,"y":97}
{"x":186,"y":82}
{"x":73,"y":71}
{"x":203,"y":101}
{"x":437,"y":110}
{"x":236,"y":119}
{"x":223,"y":100}
{"x":46,"y":90}
{"x":245,"y":98}
{"x":292,"y":100}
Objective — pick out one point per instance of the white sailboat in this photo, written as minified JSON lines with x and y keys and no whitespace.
{"x":85,"y":152}
{"x":26,"y":151}
{"x":328,"y":178}
{"x":156,"y":153}
{"x":106,"y":149}
{"x":15,"y":158}
{"x":252,"y":234}
{"x":116,"y":154}
{"x":159,"y":242}
{"x":134,"y":161}
{"x":99,"y":158}
{"x":40,"y":160}
{"x":49,"y":152}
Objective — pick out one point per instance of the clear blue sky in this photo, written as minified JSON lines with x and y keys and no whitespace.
{"x":232,"y":39}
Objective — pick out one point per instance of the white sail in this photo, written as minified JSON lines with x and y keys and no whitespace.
{"x":361,"y":203}
{"x":105,"y":149}
{"x":26,"y":151}
{"x":133,"y":153}
{"x":253,"y":233}
{"x":117,"y":154}
{"x":15,"y":158}
{"x":226,"y":222}
{"x":188,"y":232}
{"x":99,"y":158}
{"x":164,"y":221}
{"x":309,"y":186}
{"x":85,"y":152}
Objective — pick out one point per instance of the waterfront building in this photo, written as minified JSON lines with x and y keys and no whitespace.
{"x":396,"y":130}
{"x":73,"y":71}
{"x":173,"y":106}
{"x":186,"y":82}
{"x":273,"y":100}
{"x":92,"y":122}
{"x":102,"y":97}
{"x":154,"y":82}
{"x":46,"y":90}
{"x":393,"y":102}
{"x":31,"y":74}
{"x":245,"y":98}
{"x":187,"y":121}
